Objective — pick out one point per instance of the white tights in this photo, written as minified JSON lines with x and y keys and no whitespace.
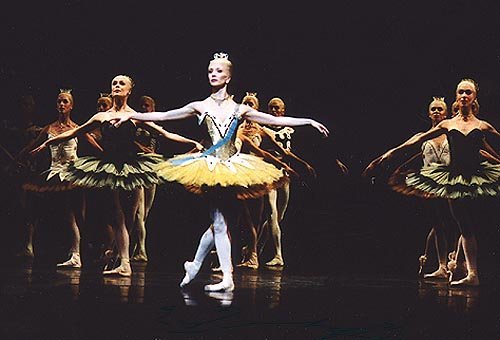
{"x":216,"y":235}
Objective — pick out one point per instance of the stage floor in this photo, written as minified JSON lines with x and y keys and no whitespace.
{"x":40,"y":302}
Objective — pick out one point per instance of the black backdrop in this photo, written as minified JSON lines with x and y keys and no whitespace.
{"x":366,"y":70}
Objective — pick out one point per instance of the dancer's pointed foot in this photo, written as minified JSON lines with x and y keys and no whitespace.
{"x":469,"y":280}
{"x":440,"y":273}
{"x":191,"y":270}
{"x":226,"y":285}
{"x":248,"y":264}
{"x":73,"y":262}
{"x":123,"y":269}
{"x":252,"y":262}
{"x":276,"y":261}
{"x":140,"y":258}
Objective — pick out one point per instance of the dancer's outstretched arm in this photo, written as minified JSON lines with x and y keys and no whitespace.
{"x":415,"y":139}
{"x":489,"y":156}
{"x":284,"y":151}
{"x":267,"y":119}
{"x":92,"y":141}
{"x":264,"y":154}
{"x":172,"y":136}
{"x":377,"y":160}
{"x":88,"y":126}
{"x":186,"y":111}
{"x":37,"y":141}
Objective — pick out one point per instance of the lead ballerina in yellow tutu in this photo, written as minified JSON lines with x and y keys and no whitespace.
{"x":220,"y":173}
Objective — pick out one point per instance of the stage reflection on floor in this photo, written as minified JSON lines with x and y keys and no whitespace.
{"x":44,"y":303}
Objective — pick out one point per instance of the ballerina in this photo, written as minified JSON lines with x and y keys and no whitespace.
{"x":54,"y":179}
{"x":220,"y":173}
{"x":464,"y":180}
{"x":122,"y":169}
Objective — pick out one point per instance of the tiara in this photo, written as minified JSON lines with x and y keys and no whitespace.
{"x":438,"y":99}
{"x":251,"y":94}
{"x":104,"y":94}
{"x":68,"y":91}
{"x":221,"y":55}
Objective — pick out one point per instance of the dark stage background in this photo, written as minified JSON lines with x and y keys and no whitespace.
{"x":367,"y":71}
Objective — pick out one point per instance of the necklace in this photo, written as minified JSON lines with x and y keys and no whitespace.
{"x":219,"y":101}
{"x":63,"y":125}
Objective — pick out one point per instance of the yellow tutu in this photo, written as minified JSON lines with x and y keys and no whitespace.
{"x":245,"y":176}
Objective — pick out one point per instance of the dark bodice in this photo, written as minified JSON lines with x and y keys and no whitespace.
{"x":464,"y":151}
{"x":119,"y":142}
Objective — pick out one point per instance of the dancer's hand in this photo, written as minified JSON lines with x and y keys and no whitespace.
{"x":342,"y":167}
{"x":38,"y":149}
{"x":311,"y":170}
{"x":198,"y":146}
{"x":376,"y":162}
{"x":320,"y":127}
{"x":119,"y":120}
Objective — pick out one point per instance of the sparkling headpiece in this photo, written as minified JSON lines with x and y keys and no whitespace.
{"x":251,"y":94}
{"x":104,"y":94}
{"x":438,"y":99}
{"x":68,"y":91}
{"x":221,"y":55}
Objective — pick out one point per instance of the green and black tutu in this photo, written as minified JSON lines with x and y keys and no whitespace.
{"x":442,"y":181}
{"x":115,"y":173}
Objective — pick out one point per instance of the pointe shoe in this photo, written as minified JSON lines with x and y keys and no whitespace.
{"x":73,"y":262}
{"x":252,"y":262}
{"x":226,"y":285}
{"x":469,"y":280}
{"x":140,"y":258}
{"x":123,"y":269}
{"x":277,"y":261}
{"x":440,"y":273}
{"x":191,"y":270}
